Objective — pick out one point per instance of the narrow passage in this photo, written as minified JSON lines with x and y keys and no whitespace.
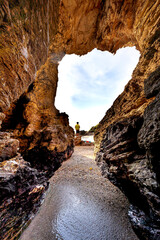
{"x":81,"y":205}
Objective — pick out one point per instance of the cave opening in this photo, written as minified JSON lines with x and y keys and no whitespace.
{"x":29,"y":34}
{"x":89,"y":84}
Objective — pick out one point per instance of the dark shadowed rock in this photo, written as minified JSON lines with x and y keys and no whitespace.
{"x":8,"y":148}
{"x":152,"y":84}
{"x":126,"y":165}
{"x":22,"y":189}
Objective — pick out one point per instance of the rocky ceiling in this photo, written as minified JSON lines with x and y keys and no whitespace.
{"x":34,"y":36}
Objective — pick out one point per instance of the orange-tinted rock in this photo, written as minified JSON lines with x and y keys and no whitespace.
{"x":8,"y":148}
{"x":77,"y":140}
{"x":2,"y":116}
{"x":26,"y":28}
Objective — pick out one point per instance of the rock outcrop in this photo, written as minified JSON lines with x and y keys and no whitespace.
{"x":34,"y":36}
{"x":22,"y":188}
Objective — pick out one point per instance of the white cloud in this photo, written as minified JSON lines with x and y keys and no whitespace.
{"x":89,"y":84}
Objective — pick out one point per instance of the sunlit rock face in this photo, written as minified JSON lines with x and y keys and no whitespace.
{"x":27,"y":92}
{"x":24,"y":29}
{"x":34,"y":36}
{"x":28,"y":80}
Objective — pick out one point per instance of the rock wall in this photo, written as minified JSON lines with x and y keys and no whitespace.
{"x":24,"y":43}
{"x":27,"y":92}
{"x":22,"y":188}
{"x":129,"y":150}
{"x":34,"y":36}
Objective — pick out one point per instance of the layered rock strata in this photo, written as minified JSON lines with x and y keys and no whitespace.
{"x":34,"y":36}
{"x":21,"y":186}
{"x":127,"y":166}
{"x":129,"y":151}
{"x":23,"y":183}
{"x":42,"y":133}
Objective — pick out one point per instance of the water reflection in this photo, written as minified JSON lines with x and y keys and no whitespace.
{"x":81,"y":205}
{"x":79,"y":218}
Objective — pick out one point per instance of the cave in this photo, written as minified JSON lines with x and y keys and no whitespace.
{"x":34,"y":37}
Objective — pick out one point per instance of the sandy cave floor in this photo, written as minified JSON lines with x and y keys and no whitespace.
{"x":81,"y":205}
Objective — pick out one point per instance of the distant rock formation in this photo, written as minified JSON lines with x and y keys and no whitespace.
{"x":77,"y":140}
{"x":34,"y":37}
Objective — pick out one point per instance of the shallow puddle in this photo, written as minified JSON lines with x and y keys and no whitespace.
{"x":81,"y":205}
{"x":80,"y":217}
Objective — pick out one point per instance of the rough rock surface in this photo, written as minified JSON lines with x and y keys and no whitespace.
{"x":126,"y":165}
{"x":34,"y":36}
{"x":22,"y":184}
{"x":77,"y":140}
{"x":22,"y":189}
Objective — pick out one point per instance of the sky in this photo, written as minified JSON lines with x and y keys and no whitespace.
{"x":89,"y":84}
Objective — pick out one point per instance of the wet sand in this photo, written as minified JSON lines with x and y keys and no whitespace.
{"x":81,"y":205}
